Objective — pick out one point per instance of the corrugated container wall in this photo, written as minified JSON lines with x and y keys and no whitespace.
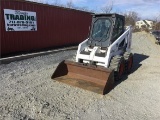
{"x":56,"y":26}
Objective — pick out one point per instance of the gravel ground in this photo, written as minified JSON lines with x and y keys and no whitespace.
{"x":28,"y":93}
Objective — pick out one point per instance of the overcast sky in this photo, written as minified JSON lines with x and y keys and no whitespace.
{"x":146,"y":8}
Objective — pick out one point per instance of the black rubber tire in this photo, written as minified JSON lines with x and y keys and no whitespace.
{"x":128,"y":62}
{"x":80,"y":60}
{"x":118,"y":65}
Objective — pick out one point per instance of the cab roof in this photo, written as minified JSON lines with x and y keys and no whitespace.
{"x":108,"y":15}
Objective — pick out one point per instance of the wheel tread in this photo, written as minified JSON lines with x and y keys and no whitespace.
{"x":114,"y":64}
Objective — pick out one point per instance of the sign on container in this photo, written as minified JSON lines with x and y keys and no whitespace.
{"x":18,"y":20}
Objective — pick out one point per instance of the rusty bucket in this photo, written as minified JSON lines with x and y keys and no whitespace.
{"x":96,"y":79}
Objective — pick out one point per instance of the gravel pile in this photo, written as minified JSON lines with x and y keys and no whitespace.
{"x":28,"y":93}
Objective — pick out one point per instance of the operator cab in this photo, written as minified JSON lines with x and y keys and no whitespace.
{"x":105,"y":29}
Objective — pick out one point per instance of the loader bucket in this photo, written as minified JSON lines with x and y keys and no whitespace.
{"x":96,"y":79}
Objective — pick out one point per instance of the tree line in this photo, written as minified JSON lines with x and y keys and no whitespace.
{"x":130,"y":16}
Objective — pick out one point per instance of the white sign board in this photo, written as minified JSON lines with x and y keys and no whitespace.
{"x":18,"y":20}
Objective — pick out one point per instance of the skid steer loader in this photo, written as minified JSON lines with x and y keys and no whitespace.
{"x":102,"y":58}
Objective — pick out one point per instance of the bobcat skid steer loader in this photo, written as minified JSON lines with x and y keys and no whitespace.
{"x":102,"y":58}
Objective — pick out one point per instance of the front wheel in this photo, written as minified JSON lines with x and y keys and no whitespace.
{"x":118,"y":65}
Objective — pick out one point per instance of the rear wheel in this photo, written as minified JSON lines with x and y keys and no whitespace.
{"x":128,"y":62}
{"x":118,"y":64}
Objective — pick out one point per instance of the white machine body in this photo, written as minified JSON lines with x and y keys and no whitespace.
{"x":111,"y":51}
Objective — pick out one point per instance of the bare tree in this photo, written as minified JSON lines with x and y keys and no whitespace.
{"x":157,"y":18}
{"x":131,"y":17}
{"x":56,"y":2}
{"x":157,"y":23}
{"x":84,"y":9}
{"x":108,"y":8}
{"x":70,"y":4}
{"x":157,"y":26}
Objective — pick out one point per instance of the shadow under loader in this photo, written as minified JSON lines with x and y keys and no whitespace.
{"x":137,"y":59}
{"x":93,"y":78}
